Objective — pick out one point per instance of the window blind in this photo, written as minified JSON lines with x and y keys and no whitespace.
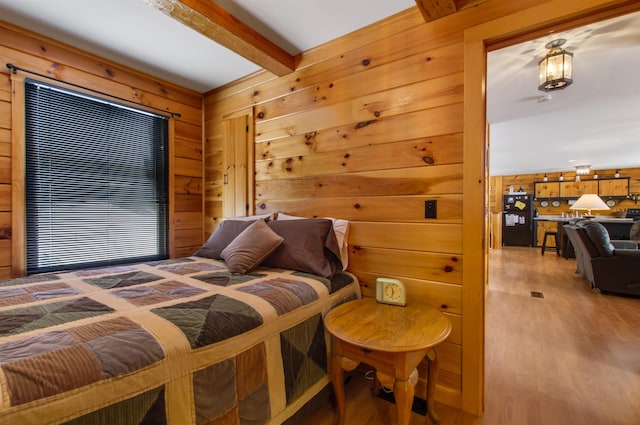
{"x":96,"y":181}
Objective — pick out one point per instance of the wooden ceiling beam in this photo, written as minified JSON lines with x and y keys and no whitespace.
{"x":436,"y":9}
{"x":215,"y":23}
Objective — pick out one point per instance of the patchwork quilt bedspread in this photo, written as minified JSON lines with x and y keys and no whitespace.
{"x":170,"y":342}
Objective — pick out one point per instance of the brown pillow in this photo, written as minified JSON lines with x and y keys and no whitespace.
{"x":341,"y":229}
{"x":253,"y":245}
{"x":309,"y":245}
{"x":224,"y":234}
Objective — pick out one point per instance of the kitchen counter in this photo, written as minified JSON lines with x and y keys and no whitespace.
{"x":600,"y":219}
{"x":618,"y":228}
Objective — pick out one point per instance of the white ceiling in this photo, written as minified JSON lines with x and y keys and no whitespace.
{"x":594,"y":121}
{"x":140,"y":36}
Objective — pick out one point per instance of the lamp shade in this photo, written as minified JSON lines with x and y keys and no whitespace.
{"x":589,"y":202}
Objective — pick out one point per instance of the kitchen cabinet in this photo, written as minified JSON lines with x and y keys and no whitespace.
{"x":544,"y":226}
{"x":547,"y":190}
{"x":611,"y":188}
{"x":574,"y":189}
{"x":571,"y":189}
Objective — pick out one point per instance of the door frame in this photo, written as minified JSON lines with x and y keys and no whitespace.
{"x":528,"y":24}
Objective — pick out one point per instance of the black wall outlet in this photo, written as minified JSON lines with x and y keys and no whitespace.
{"x":431,"y":209}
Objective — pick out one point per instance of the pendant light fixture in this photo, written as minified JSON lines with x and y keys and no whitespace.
{"x":583,"y":170}
{"x":555,"y":67}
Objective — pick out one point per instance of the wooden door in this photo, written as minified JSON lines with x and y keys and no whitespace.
{"x":239,"y":164}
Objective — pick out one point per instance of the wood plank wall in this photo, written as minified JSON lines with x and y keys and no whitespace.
{"x":368,"y":128}
{"x":499,"y":186}
{"x":526,"y":181}
{"x":45,"y":56}
{"x":5,"y":177}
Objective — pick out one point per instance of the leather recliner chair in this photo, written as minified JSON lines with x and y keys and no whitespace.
{"x":610,"y":268}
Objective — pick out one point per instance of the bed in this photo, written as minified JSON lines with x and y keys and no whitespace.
{"x":196,"y":340}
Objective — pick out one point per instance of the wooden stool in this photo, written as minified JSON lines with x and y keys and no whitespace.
{"x":544,"y":242}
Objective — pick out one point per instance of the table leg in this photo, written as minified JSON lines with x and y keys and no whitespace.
{"x":403,"y":393}
{"x":432,"y":378}
{"x":337,"y":380}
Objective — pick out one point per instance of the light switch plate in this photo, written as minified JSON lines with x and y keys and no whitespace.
{"x":431,"y":208}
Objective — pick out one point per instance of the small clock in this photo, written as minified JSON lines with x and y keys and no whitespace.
{"x":390,"y":291}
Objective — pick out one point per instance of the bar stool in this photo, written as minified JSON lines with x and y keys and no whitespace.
{"x":544,"y":242}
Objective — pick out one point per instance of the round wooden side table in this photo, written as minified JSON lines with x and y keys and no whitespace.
{"x":393,"y":340}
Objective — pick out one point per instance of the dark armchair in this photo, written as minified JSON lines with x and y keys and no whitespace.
{"x":609,"y":267}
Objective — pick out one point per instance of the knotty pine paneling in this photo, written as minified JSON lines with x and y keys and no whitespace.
{"x":5,"y":197}
{"x":5,"y":90}
{"x":446,"y":268}
{"x":188,"y":167}
{"x":445,"y":179}
{"x":213,"y":176}
{"x":430,"y":122}
{"x":5,"y":142}
{"x":412,"y":153}
{"x":407,"y":208}
{"x":187,"y":148}
{"x":106,"y":84}
{"x":526,"y":181}
{"x":425,"y":237}
{"x":445,"y":296}
{"x":5,"y":170}
{"x":188,"y":185}
{"x":367,"y":128}
{"x":5,"y":177}
{"x":5,"y":114}
{"x":5,"y":253}
{"x":412,"y":90}
{"x":188,"y":220}
{"x":49,"y":57}
{"x":5,"y":225}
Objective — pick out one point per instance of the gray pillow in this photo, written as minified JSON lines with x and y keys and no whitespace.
{"x":250,"y":247}
{"x":600,"y":237}
{"x":224,"y":234}
{"x":310,"y":245}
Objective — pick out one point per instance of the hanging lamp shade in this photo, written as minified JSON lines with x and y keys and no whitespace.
{"x":556,"y":67}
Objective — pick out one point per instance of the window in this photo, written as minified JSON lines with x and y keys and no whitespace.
{"x":96,"y":181}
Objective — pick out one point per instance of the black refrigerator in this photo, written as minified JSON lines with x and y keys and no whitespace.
{"x":517,"y":220}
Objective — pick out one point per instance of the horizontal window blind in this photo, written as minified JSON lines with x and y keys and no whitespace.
{"x":96,"y":181}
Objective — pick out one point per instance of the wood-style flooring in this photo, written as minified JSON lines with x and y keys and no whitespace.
{"x":570,"y":358}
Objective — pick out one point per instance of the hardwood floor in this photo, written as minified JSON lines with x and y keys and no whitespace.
{"x":570,"y":358}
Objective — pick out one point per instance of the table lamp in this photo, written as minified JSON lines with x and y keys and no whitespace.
{"x":589,"y":202}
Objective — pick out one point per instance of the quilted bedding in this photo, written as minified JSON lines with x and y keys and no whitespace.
{"x":169,"y":342}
